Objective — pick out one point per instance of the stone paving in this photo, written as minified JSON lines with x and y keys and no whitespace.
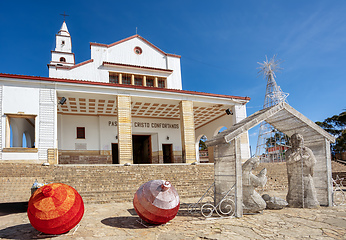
{"x":119,"y":221}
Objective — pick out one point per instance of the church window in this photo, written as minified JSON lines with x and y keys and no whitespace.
{"x":150,"y":82}
{"x":62,"y":59}
{"x":20,"y":131}
{"x":138,"y":50}
{"x":126,"y":79}
{"x":81,"y":132}
{"x":113,"y":77}
{"x":161,"y":83}
{"x":62,"y":42}
{"x":139,"y":80}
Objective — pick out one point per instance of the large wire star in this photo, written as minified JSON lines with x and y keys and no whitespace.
{"x":269,"y":67}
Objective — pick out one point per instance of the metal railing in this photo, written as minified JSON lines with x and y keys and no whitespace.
{"x":224,"y":208}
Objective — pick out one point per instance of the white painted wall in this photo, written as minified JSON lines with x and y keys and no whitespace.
{"x":174,"y":134}
{"x":24,"y":100}
{"x":21,"y":99}
{"x":174,"y":81}
{"x":16,"y":100}
{"x":108,"y":131}
{"x":83,"y":72}
{"x":101,"y":132}
{"x":239,"y":114}
{"x":210,"y":129}
{"x":60,"y":47}
{"x":20,"y":156}
{"x":68,"y":57}
{"x":122,"y":53}
{"x":69,"y":124}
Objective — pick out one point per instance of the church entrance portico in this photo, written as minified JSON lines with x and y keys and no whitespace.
{"x":168,"y":124}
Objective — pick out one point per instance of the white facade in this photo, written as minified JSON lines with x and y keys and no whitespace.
{"x":101,"y":132}
{"x":122,"y":56}
{"x":85,"y":127}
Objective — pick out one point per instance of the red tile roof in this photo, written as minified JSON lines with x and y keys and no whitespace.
{"x":72,"y":67}
{"x":6,"y":75}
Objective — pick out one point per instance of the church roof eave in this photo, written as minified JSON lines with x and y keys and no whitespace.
{"x":129,"y":38}
{"x":136,"y":67}
{"x":242,"y":100}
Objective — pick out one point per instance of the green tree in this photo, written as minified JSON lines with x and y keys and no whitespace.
{"x":336,"y":125}
{"x":279,"y":138}
{"x":202,"y":145}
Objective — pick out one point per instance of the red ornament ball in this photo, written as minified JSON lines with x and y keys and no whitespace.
{"x":55,"y":208}
{"x":156,"y":202}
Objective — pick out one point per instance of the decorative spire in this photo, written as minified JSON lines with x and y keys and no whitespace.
{"x":268,"y":68}
{"x":271,"y":144}
{"x":62,"y":54}
{"x":274,"y":94}
{"x":63,"y":30}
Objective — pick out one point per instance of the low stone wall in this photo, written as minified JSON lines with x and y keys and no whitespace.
{"x":277,"y":176}
{"x":116,"y":183}
{"x":84,"y":157}
{"x":341,"y":156}
{"x":104,"y":157}
{"x":103,"y":183}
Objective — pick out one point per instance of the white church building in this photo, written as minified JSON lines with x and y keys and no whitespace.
{"x":124,"y":105}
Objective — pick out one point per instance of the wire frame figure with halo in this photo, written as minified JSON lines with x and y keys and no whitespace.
{"x":271,"y":143}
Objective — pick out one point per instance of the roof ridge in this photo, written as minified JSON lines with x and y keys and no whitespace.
{"x":122,"y":86}
{"x":131,"y":37}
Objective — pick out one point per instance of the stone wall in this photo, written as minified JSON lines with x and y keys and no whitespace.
{"x":339,"y":169}
{"x":103,"y":183}
{"x":277,"y":176}
{"x":83,"y":157}
{"x":341,"y":156}
{"x":116,"y":183}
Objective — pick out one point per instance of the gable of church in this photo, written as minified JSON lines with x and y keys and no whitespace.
{"x":134,"y":50}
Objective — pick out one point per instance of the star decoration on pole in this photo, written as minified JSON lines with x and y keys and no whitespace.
{"x":268,"y":68}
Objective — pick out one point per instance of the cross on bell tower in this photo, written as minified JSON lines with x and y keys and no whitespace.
{"x":65,"y":15}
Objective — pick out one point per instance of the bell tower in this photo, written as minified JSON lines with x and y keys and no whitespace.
{"x":62,"y":55}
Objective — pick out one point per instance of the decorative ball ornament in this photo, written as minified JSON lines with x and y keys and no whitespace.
{"x":55,"y":208}
{"x":156,"y":202}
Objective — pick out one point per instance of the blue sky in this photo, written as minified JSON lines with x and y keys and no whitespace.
{"x":220,"y":43}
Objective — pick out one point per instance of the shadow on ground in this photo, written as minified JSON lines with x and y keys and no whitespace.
{"x":124,"y":222}
{"x":12,"y":208}
{"x":24,"y":232}
{"x":21,"y":231}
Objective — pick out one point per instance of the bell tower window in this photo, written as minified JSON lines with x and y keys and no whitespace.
{"x":62,"y":59}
